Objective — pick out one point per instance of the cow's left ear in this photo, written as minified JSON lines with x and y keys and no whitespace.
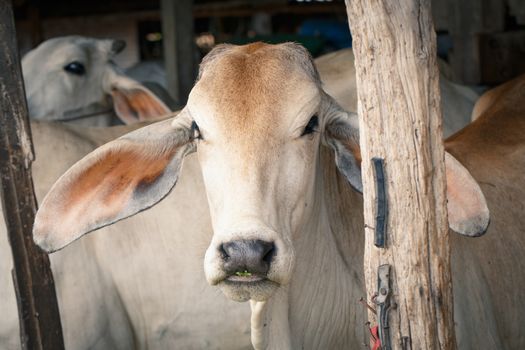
{"x":132,"y":101}
{"x":117,"y":180}
{"x":468,"y":213}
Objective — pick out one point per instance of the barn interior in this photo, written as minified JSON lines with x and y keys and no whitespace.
{"x":483,"y":41}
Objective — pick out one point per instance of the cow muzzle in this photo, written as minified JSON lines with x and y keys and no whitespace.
{"x":248,"y":267}
{"x":247,"y":260}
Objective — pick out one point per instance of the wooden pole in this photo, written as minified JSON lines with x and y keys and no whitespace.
{"x":40,"y":326}
{"x":179,"y":47}
{"x":400,"y":121}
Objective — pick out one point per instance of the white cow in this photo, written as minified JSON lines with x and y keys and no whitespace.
{"x":71,"y":77}
{"x":287,"y":228}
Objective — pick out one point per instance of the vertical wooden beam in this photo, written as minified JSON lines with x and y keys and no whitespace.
{"x":179,"y":47}
{"x":40,"y":326}
{"x":400,"y":121}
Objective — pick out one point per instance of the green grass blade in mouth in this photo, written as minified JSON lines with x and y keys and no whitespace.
{"x":244,"y":273}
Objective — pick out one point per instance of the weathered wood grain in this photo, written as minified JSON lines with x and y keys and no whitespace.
{"x":400,"y":121}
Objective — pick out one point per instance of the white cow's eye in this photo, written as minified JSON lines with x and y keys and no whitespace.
{"x":75,"y":67}
{"x":195,"y":131}
{"x":312,"y":125}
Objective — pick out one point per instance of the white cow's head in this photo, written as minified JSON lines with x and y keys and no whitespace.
{"x":256,"y":117}
{"x":70,"y":76}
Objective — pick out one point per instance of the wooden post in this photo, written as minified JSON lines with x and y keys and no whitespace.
{"x":40,"y":326}
{"x":179,"y":47}
{"x":400,"y":121}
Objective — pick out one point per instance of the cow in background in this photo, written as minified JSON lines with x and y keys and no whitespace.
{"x":73,"y":79}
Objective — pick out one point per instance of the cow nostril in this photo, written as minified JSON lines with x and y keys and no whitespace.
{"x":269,"y":254}
{"x":223,"y":253}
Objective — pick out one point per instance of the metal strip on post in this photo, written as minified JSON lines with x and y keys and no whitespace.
{"x":40,"y":326}
{"x":381,"y":203}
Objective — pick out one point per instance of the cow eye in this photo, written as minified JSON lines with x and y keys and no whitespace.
{"x":75,"y":67}
{"x":195,"y":131}
{"x":311,"y":126}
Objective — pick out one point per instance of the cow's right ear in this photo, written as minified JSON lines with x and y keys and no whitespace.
{"x":115,"y":181}
{"x":341,"y":133}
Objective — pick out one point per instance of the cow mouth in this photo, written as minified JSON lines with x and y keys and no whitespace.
{"x":243,"y":288}
{"x":244,"y":278}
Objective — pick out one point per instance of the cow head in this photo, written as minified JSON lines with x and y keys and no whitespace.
{"x":256,"y":117}
{"x":70,"y":76}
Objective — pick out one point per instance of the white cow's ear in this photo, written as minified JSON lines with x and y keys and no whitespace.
{"x":115,"y":181}
{"x":468,"y":213}
{"x":134,"y":102}
{"x":342,"y":134}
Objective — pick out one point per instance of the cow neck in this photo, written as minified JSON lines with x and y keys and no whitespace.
{"x":319,"y":309}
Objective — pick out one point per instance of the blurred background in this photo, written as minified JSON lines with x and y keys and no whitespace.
{"x":482,"y":40}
